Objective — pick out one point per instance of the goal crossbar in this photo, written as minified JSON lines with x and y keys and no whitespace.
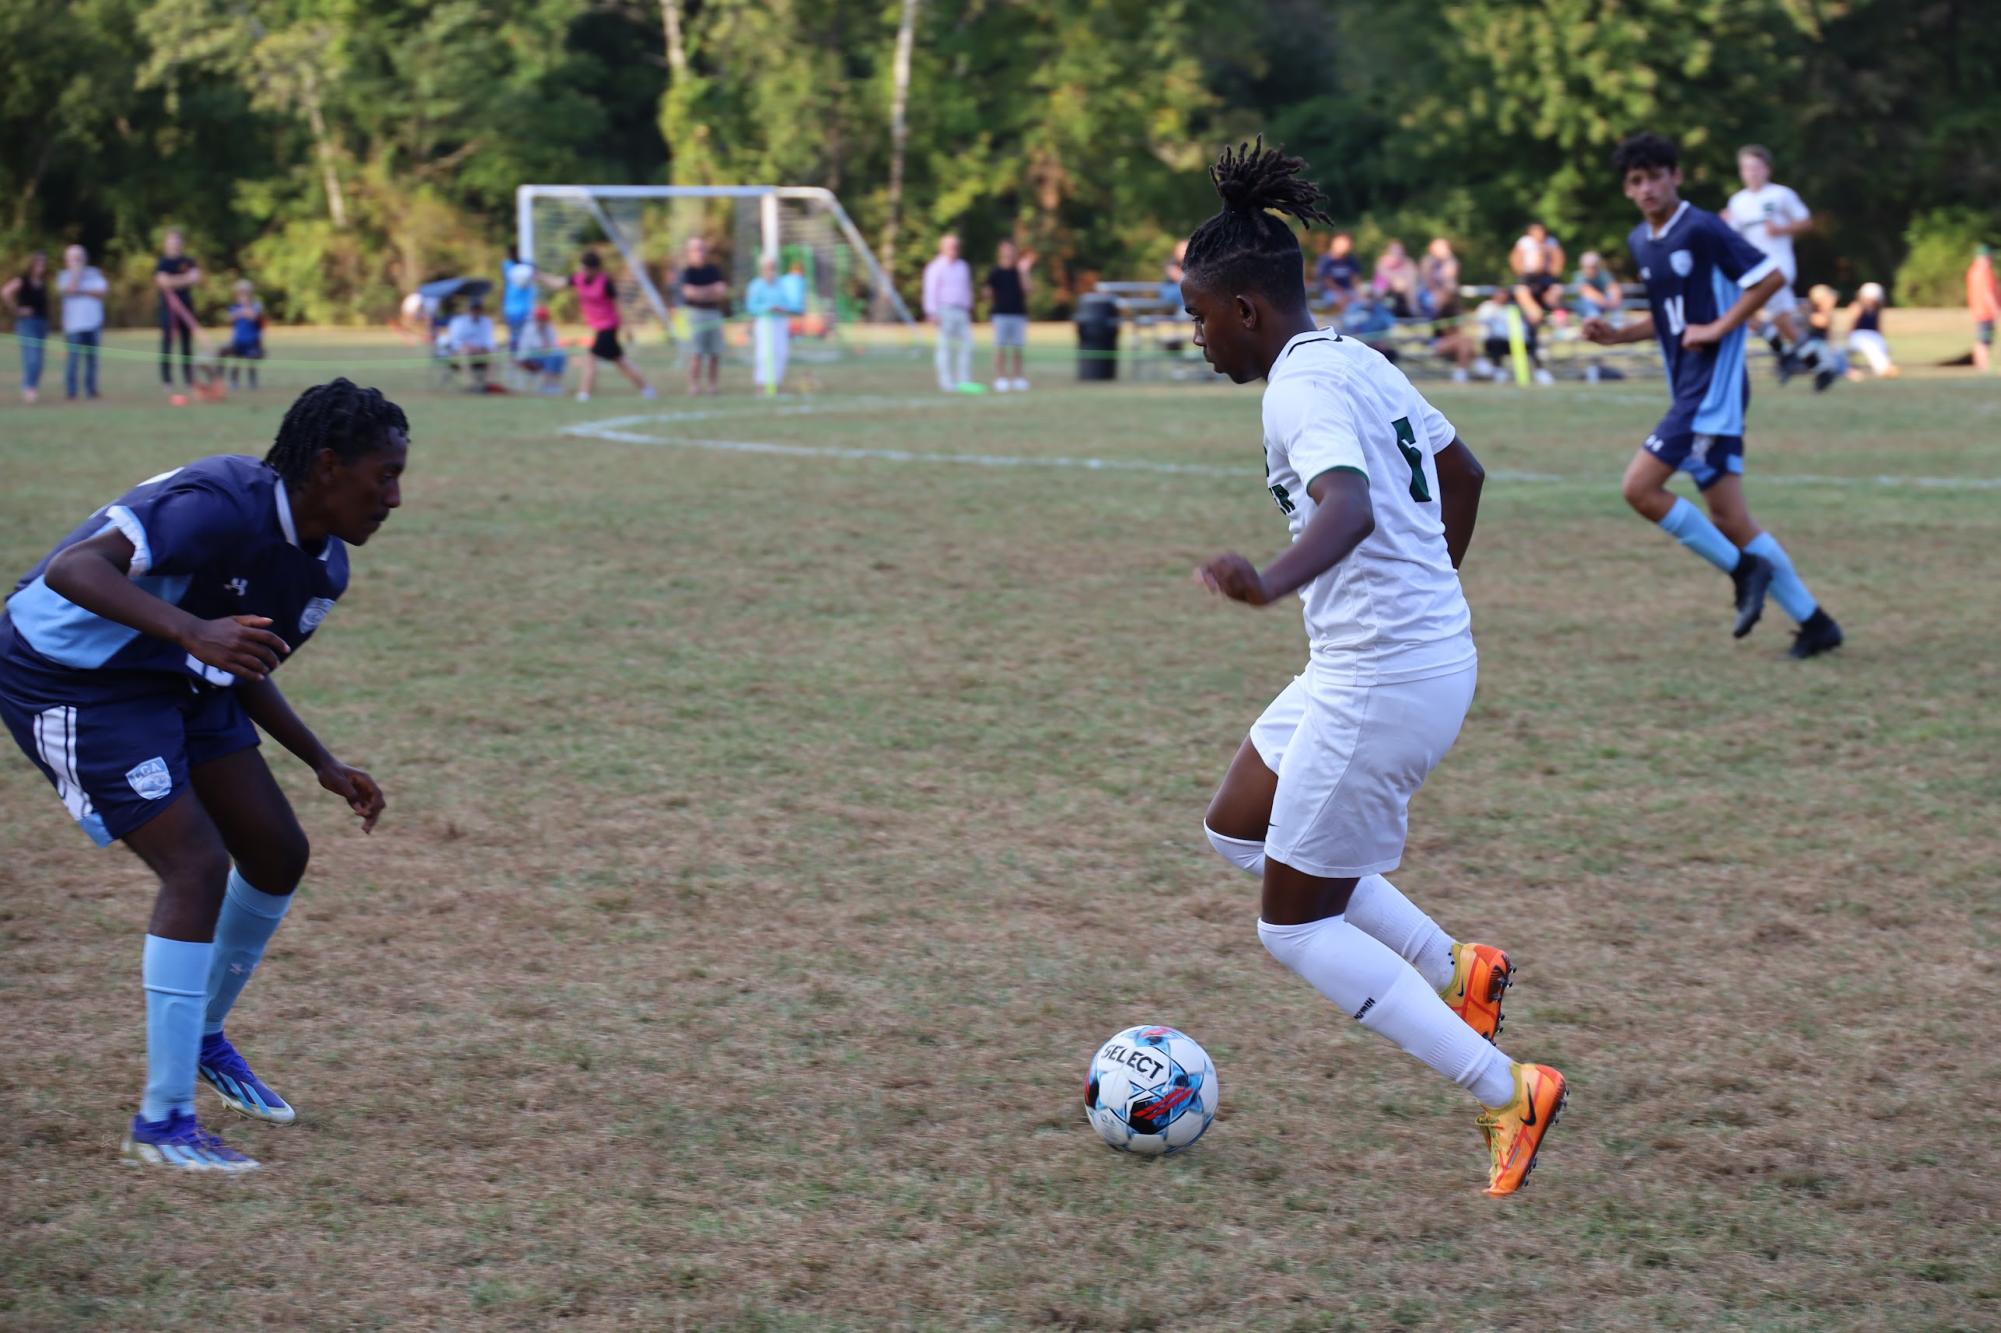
{"x":524,"y":221}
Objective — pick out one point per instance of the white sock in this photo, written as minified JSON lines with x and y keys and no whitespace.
{"x":1383,"y":993}
{"x":1239,"y":852}
{"x":1378,"y":910}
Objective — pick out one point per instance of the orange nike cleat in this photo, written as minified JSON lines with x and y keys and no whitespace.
{"x":1514,"y":1132}
{"x":1481,"y":975}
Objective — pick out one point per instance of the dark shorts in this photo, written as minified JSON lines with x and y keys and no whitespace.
{"x":118,"y":760}
{"x":605,"y":346}
{"x":252,"y":350}
{"x":1706,"y":458}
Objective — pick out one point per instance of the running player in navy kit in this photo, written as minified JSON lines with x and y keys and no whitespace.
{"x":134,"y":660}
{"x":1703,"y":282}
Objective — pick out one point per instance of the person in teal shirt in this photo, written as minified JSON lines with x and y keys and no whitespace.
{"x":772,"y":302}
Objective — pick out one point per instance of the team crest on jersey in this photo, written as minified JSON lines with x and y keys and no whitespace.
{"x":316,"y":611}
{"x":1682,"y":262}
{"x":151,"y":779}
{"x":1646,"y":274}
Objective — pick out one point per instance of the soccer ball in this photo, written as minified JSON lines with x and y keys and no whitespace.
{"x":1151,"y":1091}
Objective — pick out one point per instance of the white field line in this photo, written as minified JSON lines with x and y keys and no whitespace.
{"x":617,"y":430}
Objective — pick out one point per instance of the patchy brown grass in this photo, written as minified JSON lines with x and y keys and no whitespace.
{"x":772,"y":840}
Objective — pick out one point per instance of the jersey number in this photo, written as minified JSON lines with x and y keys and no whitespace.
{"x":1677,"y":321}
{"x":1420,"y":491}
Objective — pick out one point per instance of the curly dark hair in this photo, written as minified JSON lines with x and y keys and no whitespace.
{"x":1246,"y":247}
{"x":341,"y":416}
{"x":1645,"y":151}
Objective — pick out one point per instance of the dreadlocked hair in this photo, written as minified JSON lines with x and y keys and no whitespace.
{"x":1245,"y":246}
{"x":341,"y":416}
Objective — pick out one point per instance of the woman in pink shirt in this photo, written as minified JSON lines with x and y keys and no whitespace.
{"x":598,"y":299}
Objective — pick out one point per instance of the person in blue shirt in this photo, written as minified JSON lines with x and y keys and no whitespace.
{"x":770,"y":300}
{"x":246,"y":331}
{"x":1703,"y":282}
{"x":136,"y":665}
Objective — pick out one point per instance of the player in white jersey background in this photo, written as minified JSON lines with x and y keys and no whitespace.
{"x":1381,"y":497}
{"x":1769,"y":215}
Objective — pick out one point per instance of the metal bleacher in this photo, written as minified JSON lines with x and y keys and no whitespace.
{"x":1154,"y":339}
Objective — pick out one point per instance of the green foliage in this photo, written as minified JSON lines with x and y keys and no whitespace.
{"x":1938,"y":248}
{"x":344,"y":150}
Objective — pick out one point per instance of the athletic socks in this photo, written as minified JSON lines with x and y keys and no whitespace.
{"x":1692,"y":528}
{"x":176,"y":978}
{"x":1380,"y":912}
{"x":1239,"y":852}
{"x":1384,"y":994}
{"x":248,"y":919}
{"x":1787,"y":586}
{"x":1375,"y":908}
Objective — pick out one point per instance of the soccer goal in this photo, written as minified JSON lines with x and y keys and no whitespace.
{"x":641,"y":231}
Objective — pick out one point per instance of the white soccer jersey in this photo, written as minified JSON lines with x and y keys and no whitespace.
{"x":1751,"y":210}
{"x":1392,"y":610}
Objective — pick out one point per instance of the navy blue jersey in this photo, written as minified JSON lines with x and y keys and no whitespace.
{"x":1695,"y":270}
{"x":216,"y":539}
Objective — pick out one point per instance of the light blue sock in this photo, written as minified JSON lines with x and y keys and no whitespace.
{"x":1692,"y":528}
{"x":249,"y":918}
{"x":176,"y":974}
{"x":1786,"y":585}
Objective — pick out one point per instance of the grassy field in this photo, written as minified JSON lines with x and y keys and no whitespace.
{"x":773,"y":836}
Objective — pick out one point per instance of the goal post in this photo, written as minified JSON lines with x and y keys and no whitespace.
{"x":644,"y":227}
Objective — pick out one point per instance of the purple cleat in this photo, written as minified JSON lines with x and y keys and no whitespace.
{"x":181,"y":1143}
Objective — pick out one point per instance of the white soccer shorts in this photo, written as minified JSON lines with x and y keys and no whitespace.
{"x":1348,"y":759}
{"x":1783,"y":302}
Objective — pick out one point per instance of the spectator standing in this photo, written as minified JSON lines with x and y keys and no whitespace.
{"x":704,"y":292}
{"x":29,"y":295}
{"x":1007,"y":296}
{"x":175,"y":275}
{"x":1338,"y":274}
{"x":540,"y":352}
{"x":517,"y":299}
{"x":1438,"y":280}
{"x":948,"y":303}
{"x":1395,"y":280}
{"x":1598,"y":292}
{"x":469,"y":338}
{"x":597,"y":298}
{"x":769,"y":300}
{"x":82,"y":288}
{"x":1983,"y":302}
{"x":246,"y":331}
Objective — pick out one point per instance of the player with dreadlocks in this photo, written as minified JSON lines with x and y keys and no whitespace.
{"x":1381,"y":496}
{"x":134,"y":660}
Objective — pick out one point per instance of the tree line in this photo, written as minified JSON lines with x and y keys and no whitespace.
{"x":342,"y":151}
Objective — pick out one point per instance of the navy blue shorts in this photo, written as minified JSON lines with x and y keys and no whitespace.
{"x":117,"y":758}
{"x":1706,"y":458}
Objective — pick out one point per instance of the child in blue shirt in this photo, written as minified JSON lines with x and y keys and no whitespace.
{"x":246,"y":330}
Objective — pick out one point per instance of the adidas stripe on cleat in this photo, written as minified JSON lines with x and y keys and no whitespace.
{"x":224,"y":1070}
{"x":1481,"y":975}
{"x":181,"y":1144}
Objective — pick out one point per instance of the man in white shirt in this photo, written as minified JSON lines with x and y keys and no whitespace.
{"x":82,"y":288}
{"x":1769,"y":215}
{"x":948,"y":303}
{"x":469,"y":338}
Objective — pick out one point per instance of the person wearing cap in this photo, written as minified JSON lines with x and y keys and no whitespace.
{"x":1983,"y":301}
{"x":539,"y":352}
{"x":469,"y":340}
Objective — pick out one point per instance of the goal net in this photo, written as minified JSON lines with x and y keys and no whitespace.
{"x":641,"y":233}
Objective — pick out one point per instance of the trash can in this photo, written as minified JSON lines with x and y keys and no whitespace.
{"x":1097,"y":337}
